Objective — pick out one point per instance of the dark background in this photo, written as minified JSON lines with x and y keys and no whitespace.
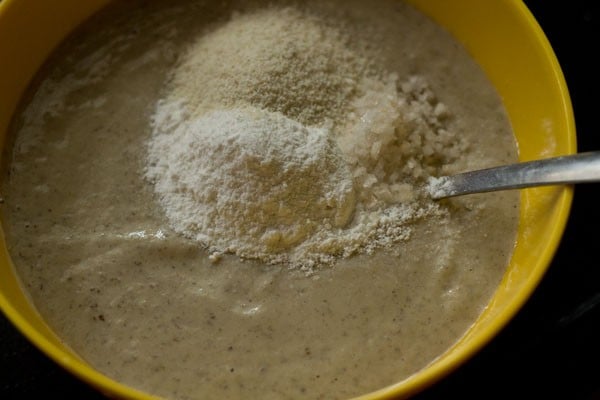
{"x":551,"y":349}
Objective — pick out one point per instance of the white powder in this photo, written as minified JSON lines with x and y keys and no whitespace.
{"x":250,"y":182}
{"x":275,"y":141}
{"x":393,"y":139}
{"x":439,"y":187}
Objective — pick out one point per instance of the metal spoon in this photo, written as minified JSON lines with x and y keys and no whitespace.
{"x":578,"y":168}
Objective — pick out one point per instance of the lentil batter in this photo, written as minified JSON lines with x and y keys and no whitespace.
{"x":148,"y":308}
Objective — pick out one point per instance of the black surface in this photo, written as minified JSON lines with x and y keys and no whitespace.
{"x":552,"y":347}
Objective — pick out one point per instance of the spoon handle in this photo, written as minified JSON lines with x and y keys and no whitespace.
{"x":577,"y":168}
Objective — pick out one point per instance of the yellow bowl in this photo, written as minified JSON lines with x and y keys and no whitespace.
{"x":500,"y":34}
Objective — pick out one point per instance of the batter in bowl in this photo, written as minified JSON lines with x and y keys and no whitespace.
{"x":183,"y":316}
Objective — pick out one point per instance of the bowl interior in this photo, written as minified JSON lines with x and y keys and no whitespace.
{"x":501,"y":35}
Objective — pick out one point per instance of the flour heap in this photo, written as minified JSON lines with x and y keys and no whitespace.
{"x":251,"y":182}
{"x":279,"y":59}
{"x":278,"y":140}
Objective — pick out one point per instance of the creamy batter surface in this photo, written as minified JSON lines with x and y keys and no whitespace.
{"x":148,"y":307}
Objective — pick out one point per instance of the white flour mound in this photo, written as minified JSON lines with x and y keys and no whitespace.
{"x":250,"y":182}
{"x":275,"y":140}
{"x":260,"y":185}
